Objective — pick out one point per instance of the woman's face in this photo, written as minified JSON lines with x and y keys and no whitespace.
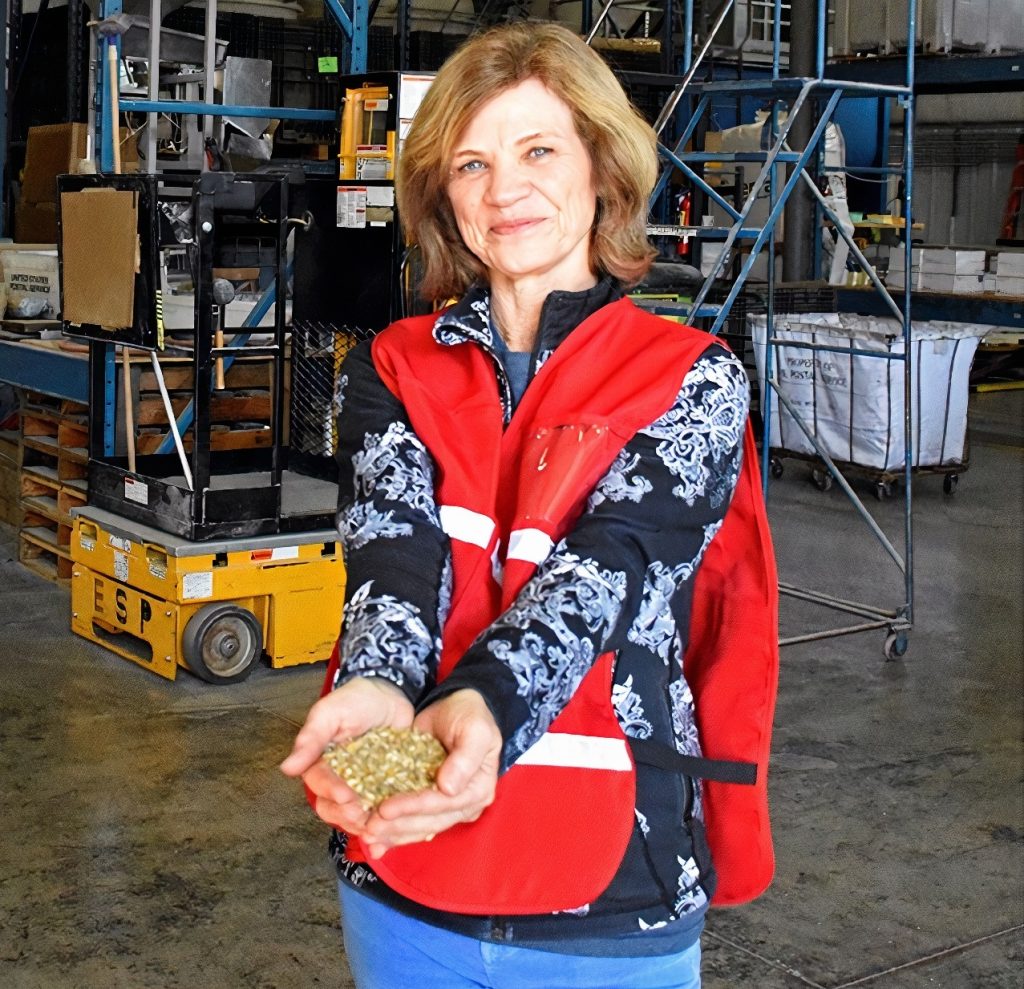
{"x":521,"y":186}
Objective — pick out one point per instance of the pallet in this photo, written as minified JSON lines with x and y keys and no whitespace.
{"x":40,"y":553}
{"x":10,"y":477}
{"x":51,"y":481}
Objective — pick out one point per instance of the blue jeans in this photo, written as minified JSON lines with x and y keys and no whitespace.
{"x":388,"y":950}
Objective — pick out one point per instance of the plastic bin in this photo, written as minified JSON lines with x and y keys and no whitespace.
{"x":854,"y":404}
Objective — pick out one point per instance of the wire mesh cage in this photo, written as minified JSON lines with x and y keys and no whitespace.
{"x":318,"y":350}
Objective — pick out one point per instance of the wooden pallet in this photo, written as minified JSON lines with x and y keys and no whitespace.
{"x":40,"y":552}
{"x":10,"y":477}
{"x":53,"y":444}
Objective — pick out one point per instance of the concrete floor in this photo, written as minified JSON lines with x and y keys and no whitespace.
{"x":149,"y":841}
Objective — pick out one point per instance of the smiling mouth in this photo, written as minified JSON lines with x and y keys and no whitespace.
{"x":515,"y":226}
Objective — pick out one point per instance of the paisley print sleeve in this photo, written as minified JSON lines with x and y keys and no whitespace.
{"x":387,"y":515}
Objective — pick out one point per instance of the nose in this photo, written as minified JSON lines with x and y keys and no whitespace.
{"x":508,"y":183}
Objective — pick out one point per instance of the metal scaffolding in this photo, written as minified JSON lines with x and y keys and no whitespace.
{"x":811,"y":102}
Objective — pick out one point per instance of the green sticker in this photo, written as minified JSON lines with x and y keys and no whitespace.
{"x":327,"y":63}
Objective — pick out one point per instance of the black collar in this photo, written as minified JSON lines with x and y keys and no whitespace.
{"x":470,"y":318}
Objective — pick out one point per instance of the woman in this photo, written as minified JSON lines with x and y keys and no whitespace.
{"x":548,"y":505}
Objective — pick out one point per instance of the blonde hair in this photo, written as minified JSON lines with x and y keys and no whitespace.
{"x":622,"y":148}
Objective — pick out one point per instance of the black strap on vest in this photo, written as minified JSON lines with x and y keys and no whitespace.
{"x":651,"y":753}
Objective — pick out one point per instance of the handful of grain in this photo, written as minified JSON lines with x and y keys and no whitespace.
{"x":386,"y":761}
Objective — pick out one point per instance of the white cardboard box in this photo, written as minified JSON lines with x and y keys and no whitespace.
{"x":32,"y":283}
{"x":853,"y":404}
{"x":1009,"y":263}
{"x":1010,"y":284}
{"x":942,"y":281}
{"x":953,"y":261}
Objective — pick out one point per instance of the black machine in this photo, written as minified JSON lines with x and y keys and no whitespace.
{"x":186,"y":487}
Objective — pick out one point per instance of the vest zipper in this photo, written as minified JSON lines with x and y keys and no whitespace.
{"x":504,"y":386}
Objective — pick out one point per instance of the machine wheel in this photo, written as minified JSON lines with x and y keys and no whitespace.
{"x":949,"y":483}
{"x":896,"y":644}
{"x":222,"y":643}
{"x":883,"y":490}
{"x":776,"y":468}
{"x":822,"y":479}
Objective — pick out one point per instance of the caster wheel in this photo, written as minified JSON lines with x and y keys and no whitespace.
{"x":949,"y":483}
{"x":221,"y":643}
{"x":896,"y":644}
{"x":776,"y":468}
{"x":883,"y":490}
{"x":822,"y":479}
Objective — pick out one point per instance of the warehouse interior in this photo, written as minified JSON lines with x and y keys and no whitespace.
{"x":841,"y":200}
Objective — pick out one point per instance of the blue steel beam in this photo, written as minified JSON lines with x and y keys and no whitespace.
{"x":105,"y":136}
{"x":355,"y":27}
{"x":224,"y":109}
{"x":41,"y":369}
{"x":945,"y":73}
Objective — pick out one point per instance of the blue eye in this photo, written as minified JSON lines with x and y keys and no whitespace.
{"x":472,"y":166}
{"x":538,"y":152}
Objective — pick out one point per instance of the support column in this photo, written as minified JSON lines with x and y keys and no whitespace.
{"x":799,"y":215}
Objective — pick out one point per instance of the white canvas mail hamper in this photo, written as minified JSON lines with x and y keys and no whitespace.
{"x":853,"y":404}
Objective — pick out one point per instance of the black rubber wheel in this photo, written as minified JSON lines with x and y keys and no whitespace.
{"x":896,"y":645}
{"x":776,"y":468}
{"x":222,"y":643}
{"x":949,"y":483}
{"x":822,"y":479}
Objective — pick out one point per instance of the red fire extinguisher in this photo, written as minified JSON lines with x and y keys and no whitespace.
{"x":685,"y":201}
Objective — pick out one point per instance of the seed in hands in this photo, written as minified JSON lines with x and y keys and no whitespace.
{"x":386,"y":761}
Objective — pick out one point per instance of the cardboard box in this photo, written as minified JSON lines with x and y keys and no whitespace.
{"x":129,"y":151}
{"x":953,"y":262}
{"x":1009,"y":263}
{"x":52,"y":150}
{"x":35,"y":223}
{"x":944,"y":281}
{"x":99,"y":286}
{"x":1010,"y":284}
{"x":32,"y":282}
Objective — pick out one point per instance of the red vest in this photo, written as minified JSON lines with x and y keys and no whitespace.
{"x":562,"y":817}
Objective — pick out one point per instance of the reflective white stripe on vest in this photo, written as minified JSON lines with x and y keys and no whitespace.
{"x":467,"y":525}
{"x":531,"y":545}
{"x":578,"y":752}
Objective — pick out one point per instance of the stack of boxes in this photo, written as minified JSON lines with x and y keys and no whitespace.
{"x":896,"y":277}
{"x":958,"y":271}
{"x":53,"y":150}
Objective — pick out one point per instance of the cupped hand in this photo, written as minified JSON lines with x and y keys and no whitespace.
{"x":354,"y":708}
{"x":466,"y":781}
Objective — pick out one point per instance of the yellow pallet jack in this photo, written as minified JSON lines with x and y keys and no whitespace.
{"x":213,"y":607}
